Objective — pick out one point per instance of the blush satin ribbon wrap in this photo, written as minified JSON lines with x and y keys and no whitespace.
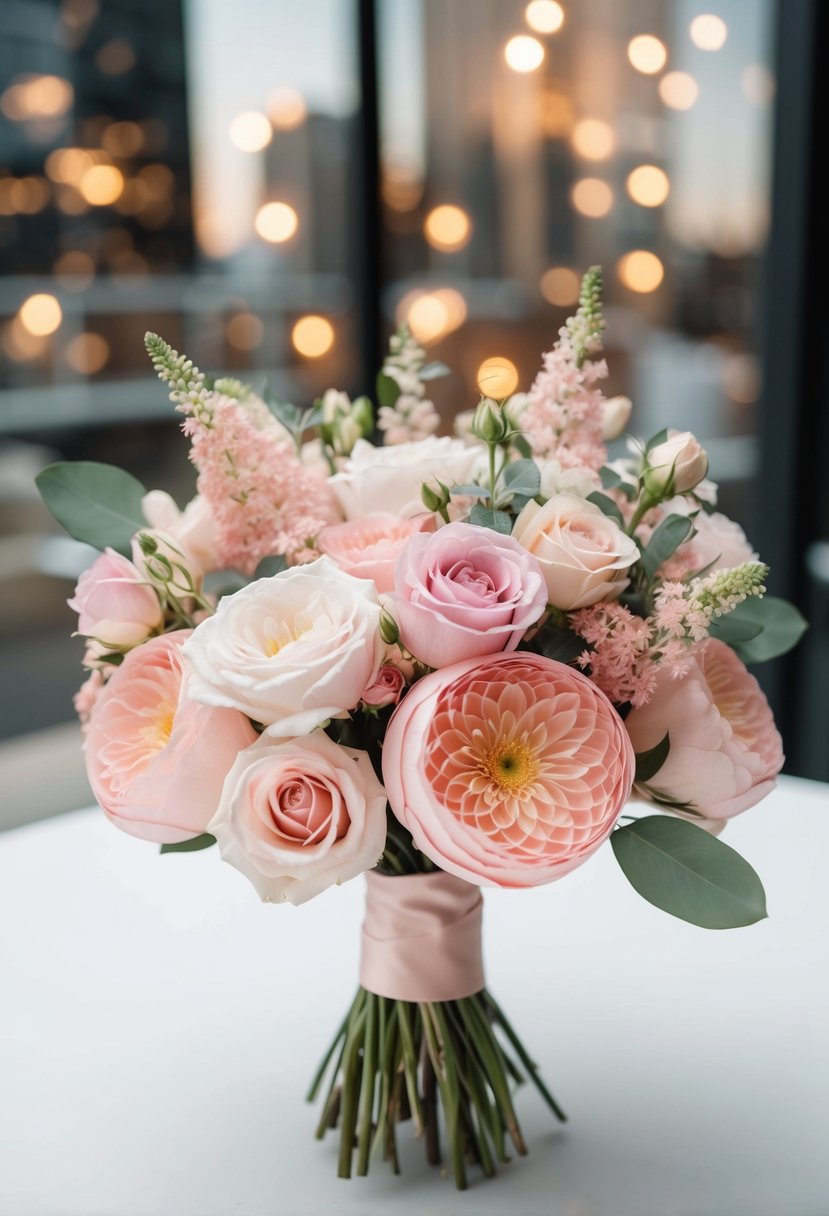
{"x":422,"y":937}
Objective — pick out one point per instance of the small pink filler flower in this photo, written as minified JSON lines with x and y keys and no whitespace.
{"x":508,"y":771}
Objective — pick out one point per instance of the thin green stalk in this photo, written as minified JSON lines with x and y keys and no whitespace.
{"x":410,"y":1065}
{"x":448,"y":1091}
{"x":487,"y":1047}
{"x":368,"y":1084}
{"x":326,"y":1060}
{"x":350,"y":1089}
{"x":521,"y":1052}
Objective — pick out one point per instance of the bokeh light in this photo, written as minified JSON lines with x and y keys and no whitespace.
{"x":312,"y":336}
{"x":116,"y":57}
{"x":36,"y":97}
{"x":678,"y":90}
{"x":647,"y":54}
{"x":250,"y":131}
{"x":497,"y":377}
{"x":523,"y":53}
{"x":592,"y":197}
{"x":74,"y":270}
{"x":286,"y":108}
{"x":101,"y":185}
{"x":123,"y":138}
{"x":544,"y":16}
{"x":560,"y":286}
{"x":648,"y":185}
{"x":40,"y":314}
{"x":593,"y":139}
{"x":758,"y":84}
{"x":641,"y":271}
{"x":708,"y":32}
{"x":244,"y":331}
{"x":447,"y":227}
{"x":87,"y":353}
{"x":276,"y":222}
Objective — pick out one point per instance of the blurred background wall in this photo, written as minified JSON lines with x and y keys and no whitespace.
{"x":273,"y":186}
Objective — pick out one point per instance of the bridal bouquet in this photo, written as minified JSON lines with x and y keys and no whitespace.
{"x":444,"y":663}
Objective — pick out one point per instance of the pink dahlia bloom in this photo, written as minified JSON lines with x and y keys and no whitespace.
{"x":156,"y":760}
{"x":508,"y":771}
{"x":725,"y":752}
{"x":370,"y":546}
{"x":463,"y":592}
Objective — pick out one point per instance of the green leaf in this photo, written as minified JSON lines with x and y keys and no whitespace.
{"x":190,"y":846}
{"x":761,"y":629}
{"x":607,"y":507}
{"x":560,"y":644}
{"x":96,"y":503}
{"x":650,"y":762}
{"x":485,"y":517}
{"x":269,"y":566}
{"x":470,"y":491}
{"x":609,"y":477}
{"x":388,"y":390}
{"x":521,"y":444}
{"x":286,"y":413}
{"x":687,"y":872}
{"x":523,"y":477}
{"x":433,"y":371}
{"x":667,"y":538}
{"x":658,"y":438}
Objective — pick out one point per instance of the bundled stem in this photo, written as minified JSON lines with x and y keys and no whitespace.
{"x":397,"y":1060}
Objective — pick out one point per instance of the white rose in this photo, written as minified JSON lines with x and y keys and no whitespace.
{"x":299,"y":816}
{"x":615,"y":416}
{"x":193,"y":530}
{"x":388,"y":479}
{"x":291,"y":650}
{"x":556,"y":480}
{"x":675,"y":466}
{"x":582,"y":553}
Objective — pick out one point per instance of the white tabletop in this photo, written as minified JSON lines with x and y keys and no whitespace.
{"x":160,"y":1025}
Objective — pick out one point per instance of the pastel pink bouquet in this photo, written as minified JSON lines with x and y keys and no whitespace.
{"x":444,"y":663}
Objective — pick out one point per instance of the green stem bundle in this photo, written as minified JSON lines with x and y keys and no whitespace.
{"x":398,"y":1061}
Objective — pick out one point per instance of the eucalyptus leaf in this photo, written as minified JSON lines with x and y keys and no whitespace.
{"x":286,"y":413}
{"x":609,"y":477}
{"x":190,"y":846}
{"x":607,"y":507}
{"x":654,"y":442}
{"x":770,"y":627}
{"x":469,"y":491}
{"x":523,"y":477}
{"x":667,"y":538}
{"x":388,"y":390}
{"x":485,"y":517}
{"x":433,"y":370}
{"x":269,"y":566}
{"x":689,"y":873}
{"x":650,"y":762}
{"x":521,"y":444}
{"x":98,"y":504}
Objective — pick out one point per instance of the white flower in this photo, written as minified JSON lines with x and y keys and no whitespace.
{"x":291,"y":650}
{"x":676,"y":465}
{"x":299,"y":816}
{"x":615,"y":416}
{"x":556,"y":480}
{"x":388,"y":479}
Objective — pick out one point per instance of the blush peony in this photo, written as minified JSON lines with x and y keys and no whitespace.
{"x":156,"y":760}
{"x":725,"y":752}
{"x":369,"y":547}
{"x":301,"y":815}
{"x":291,"y":650}
{"x":508,"y":771}
{"x":390,"y":478}
{"x":464,"y":592}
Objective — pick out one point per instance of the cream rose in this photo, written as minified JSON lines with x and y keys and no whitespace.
{"x":675,"y":466}
{"x":291,"y":650}
{"x":582,"y":553}
{"x":299,"y":816}
{"x":388,"y":479}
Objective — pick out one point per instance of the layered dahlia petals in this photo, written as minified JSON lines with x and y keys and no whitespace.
{"x":725,"y":751}
{"x":508,"y":770}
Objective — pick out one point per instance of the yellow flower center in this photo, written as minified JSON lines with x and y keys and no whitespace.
{"x":157,"y":733}
{"x":510,"y":764}
{"x":286,"y":633}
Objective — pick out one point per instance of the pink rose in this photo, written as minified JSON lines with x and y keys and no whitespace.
{"x":156,"y":760}
{"x":386,"y":688}
{"x":583,"y":554}
{"x":719,"y":540}
{"x":724,"y":749}
{"x":509,"y":770}
{"x":299,"y":816}
{"x":463,"y":592}
{"x":192,"y":530}
{"x":114,"y":603}
{"x":368,"y":547}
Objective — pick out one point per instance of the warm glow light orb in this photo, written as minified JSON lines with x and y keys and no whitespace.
{"x":593,"y":139}
{"x":87,"y":353}
{"x":523,"y":53}
{"x":560,"y":286}
{"x":641,"y":271}
{"x":428,"y":317}
{"x":102,"y":185}
{"x":592,"y":197}
{"x":244,"y":331}
{"x":648,"y":185}
{"x":312,"y":336}
{"x":40,"y":314}
{"x":678,"y":90}
{"x":708,"y":32}
{"x":250,"y":131}
{"x":497,"y":377}
{"x":647,"y":54}
{"x":286,"y":108}
{"x":276,"y":222}
{"x":544,"y":16}
{"x":447,"y":227}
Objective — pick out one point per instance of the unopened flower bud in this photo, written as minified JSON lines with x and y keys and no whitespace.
{"x":490,"y":423}
{"x":388,"y":628}
{"x":674,"y":466}
{"x":615,"y":416}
